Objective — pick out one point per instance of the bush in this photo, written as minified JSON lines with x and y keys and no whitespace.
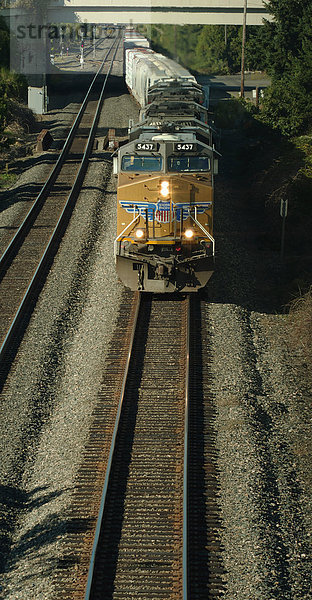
{"x":20,"y":116}
{"x":3,"y":110}
{"x":13,"y":84}
{"x":4,"y":44}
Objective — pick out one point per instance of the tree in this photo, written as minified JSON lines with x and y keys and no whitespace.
{"x":219,"y":49}
{"x":288,"y":104}
{"x":288,"y":32}
{"x":255,"y":51}
{"x":211,"y":50}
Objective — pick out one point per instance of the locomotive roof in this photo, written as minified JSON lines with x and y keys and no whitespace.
{"x":176,"y":88}
{"x":197,"y":129}
{"x":173,"y":106}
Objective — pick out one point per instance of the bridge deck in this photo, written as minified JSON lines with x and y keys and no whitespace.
{"x":179,"y":12}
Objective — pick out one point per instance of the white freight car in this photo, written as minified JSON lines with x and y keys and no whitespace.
{"x":131,"y":57}
{"x":133,"y":39}
{"x":144,"y":68}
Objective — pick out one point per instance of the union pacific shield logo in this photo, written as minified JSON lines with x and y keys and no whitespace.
{"x":162,"y":213}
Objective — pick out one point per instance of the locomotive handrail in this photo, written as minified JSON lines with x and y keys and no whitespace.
{"x":127,"y":226}
{"x":136,"y":217}
{"x":204,"y":230}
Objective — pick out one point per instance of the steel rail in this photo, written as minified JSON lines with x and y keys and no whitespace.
{"x":89,"y":145}
{"x":88,"y":51}
{"x":32,"y":213}
{"x":186,"y":454}
{"x":110,"y":457}
{"x":60,"y":226}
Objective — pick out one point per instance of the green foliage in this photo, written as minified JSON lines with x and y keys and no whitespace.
{"x":3,"y":108}
{"x":288,"y":33}
{"x":211,"y":50}
{"x":288,"y":103}
{"x":282,"y":47}
{"x":39,"y":6}
{"x":14,"y":85}
{"x":256,"y":58}
{"x":208,"y":48}
{"x":178,"y":42}
{"x":186,"y":39}
{"x":7,"y":179}
{"x":287,"y":106}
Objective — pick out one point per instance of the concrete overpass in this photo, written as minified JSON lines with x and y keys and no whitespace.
{"x":177,"y":12}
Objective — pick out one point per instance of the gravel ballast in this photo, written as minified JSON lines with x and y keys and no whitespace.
{"x":263,"y":412}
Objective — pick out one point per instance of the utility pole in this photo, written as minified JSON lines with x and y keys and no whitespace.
{"x":94,"y":36}
{"x":242,"y":92}
{"x":175,"y":42}
{"x":283,"y":213}
{"x":81,"y":49}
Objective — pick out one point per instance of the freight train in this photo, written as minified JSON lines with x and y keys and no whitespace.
{"x":165,"y":180}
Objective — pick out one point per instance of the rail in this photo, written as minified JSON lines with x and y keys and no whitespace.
{"x":186,"y":461}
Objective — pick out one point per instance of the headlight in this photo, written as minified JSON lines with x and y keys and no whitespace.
{"x":139,"y":233}
{"x":189,"y":233}
{"x":164,"y":189}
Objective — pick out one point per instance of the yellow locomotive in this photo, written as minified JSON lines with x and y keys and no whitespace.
{"x":165,"y":213}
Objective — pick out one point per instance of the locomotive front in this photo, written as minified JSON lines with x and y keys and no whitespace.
{"x":165,"y":212}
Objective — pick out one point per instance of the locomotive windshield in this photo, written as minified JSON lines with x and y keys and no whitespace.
{"x":141,"y":163}
{"x":189,"y":163}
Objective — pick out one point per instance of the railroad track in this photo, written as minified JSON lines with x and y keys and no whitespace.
{"x":144,"y":520}
{"x":140,"y":543}
{"x":28,"y":257}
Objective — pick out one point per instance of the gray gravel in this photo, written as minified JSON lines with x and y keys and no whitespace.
{"x":263,"y":409}
{"x":263,"y":421}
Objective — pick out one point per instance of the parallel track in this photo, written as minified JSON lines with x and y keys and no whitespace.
{"x":26,"y":261}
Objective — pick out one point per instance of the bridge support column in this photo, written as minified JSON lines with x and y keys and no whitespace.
{"x":30,"y":54}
